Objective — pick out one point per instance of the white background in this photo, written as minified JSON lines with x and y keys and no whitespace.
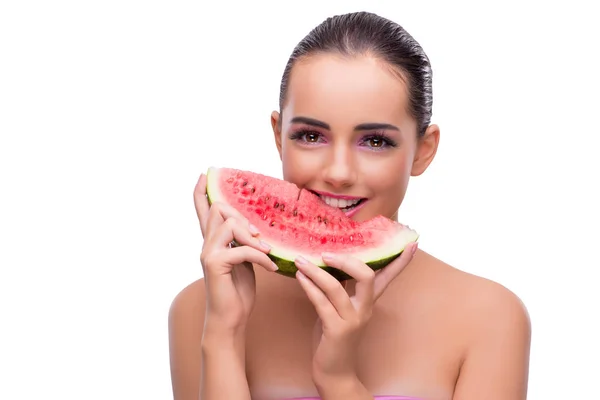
{"x":110,"y":110}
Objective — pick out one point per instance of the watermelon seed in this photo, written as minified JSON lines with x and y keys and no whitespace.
{"x":319,"y":218}
{"x":295,"y":212}
{"x":282,"y":208}
{"x":245,"y":183}
{"x":267,"y":198}
{"x":276,"y":204}
{"x":325,"y":221}
{"x":253,"y":190}
{"x":272,"y":223}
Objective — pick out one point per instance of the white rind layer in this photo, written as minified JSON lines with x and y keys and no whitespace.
{"x":393,"y":245}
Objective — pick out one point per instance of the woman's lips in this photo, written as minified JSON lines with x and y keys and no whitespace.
{"x":349,"y":205}
{"x":354,"y":210}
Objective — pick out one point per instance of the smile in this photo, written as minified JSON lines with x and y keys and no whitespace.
{"x":345,"y":203}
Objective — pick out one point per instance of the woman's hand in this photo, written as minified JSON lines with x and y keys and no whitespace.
{"x":342,"y":318}
{"x":228,"y":272}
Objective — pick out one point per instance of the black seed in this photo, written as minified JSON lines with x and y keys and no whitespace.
{"x":245,"y":183}
{"x":253,"y":190}
{"x":276,"y":204}
{"x":295,"y":212}
{"x":282,"y":208}
{"x":272,"y":223}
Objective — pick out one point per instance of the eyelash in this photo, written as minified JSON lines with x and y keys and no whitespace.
{"x":387,"y":141}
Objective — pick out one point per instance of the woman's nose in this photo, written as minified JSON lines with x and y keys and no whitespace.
{"x":339,"y":169}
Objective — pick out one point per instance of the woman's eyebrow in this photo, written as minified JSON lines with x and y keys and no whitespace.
{"x":375,"y":126}
{"x":311,"y":121}
{"x":361,"y":127}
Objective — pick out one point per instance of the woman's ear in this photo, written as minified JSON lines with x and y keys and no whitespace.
{"x":276,"y":125}
{"x":427,"y":146}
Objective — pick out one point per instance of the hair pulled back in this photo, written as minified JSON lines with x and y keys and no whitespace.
{"x":368,"y":34}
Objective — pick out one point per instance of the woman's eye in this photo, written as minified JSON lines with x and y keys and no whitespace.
{"x":312,"y":137}
{"x":379,"y":142}
{"x":307,"y":137}
{"x":376,"y":142}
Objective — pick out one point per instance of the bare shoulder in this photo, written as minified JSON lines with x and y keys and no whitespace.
{"x":497,"y":330}
{"x":476,"y":298}
{"x":189,"y":300}
{"x":186,"y":320}
{"x":486,"y":303}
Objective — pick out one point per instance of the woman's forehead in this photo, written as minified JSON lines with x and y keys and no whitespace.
{"x":332,"y":87}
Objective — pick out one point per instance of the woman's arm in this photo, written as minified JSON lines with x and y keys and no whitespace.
{"x":223,"y":367}
{"x":208,"y":364}
{"x":207,"y":320}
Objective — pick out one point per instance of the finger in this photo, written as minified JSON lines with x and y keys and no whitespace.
{"x":239,"y":255}
{"x":219,"y":212}
{"x":324,"y":308}
{"x":201,"y":203}
{"x":331,"y":287}
{"x":392,"y":270}
{"x":234,"y":229}
{"x":214,"y":220}
{"x":358,"y":270}
{"x":227,"y":211}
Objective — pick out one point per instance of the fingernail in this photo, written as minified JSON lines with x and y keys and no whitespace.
{"x":301,"y":261}
{"x":253,"y":229}
{"x":275,"y":267}
{"x":327,"y":257}
{"x":414,"y":249}
{"x":264,"y":245}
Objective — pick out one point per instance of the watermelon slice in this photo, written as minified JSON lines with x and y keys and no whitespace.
{"x":297,"y":222}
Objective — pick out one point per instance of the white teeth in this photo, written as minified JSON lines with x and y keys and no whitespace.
{"x":339,"y":203}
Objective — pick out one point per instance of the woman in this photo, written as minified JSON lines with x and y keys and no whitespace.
{"x":354,"y":120}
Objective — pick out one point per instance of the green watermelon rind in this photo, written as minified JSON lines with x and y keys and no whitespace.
{"x":288,"y":267}
{"x":376,"y":258}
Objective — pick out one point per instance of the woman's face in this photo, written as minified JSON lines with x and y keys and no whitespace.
{"x":346,"y":134}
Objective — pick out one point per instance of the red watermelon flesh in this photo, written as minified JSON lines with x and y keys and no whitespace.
{"x":297,"y":222}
